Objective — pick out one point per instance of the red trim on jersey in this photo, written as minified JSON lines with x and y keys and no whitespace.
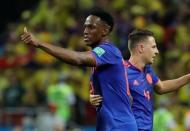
{"x":93,"y":57}
{"x":126,"y":65}
{"x":93,"y":69}
{"x":91,"y":88}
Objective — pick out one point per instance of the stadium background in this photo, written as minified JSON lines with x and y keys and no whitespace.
{"x":27,"y":75}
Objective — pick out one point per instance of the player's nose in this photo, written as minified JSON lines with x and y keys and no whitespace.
{"x":157,"y":51}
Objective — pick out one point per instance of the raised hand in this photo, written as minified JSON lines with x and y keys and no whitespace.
{"x":28,"y":38}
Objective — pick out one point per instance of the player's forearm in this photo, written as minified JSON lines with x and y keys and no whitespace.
{"x":66,"y":55}
{"x":175,"y":84}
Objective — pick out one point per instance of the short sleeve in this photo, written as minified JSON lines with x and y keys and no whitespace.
{"x":155,"y":78}
{"x":106,"y":54}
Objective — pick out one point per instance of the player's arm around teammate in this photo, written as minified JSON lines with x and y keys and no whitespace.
{"x":95,"y":100}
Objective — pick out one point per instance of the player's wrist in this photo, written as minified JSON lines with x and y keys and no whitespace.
{"x":188,"y":75}
{"x":38,"y":44}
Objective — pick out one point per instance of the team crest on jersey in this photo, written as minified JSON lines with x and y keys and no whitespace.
{"x":99,"y":51}
{"x":149,"y":78}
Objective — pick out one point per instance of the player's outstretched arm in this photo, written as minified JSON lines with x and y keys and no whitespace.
{"x":66,"y":55}
{"x":167,"y":86}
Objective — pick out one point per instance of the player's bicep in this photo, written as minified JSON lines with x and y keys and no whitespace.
{"x":158,"y":87}
{"x":87,"y":59}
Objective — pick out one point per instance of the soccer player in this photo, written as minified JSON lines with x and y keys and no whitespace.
{"x":142,"y":79}
{"x":108,"y":72}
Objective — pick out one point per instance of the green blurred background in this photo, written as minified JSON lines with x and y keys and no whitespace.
{"x":39,"y":92}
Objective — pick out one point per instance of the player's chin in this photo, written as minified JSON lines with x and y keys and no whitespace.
{"x":150,"y":62}
{"x":88,"y":43}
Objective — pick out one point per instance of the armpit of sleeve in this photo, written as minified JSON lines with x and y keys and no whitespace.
{"x":94,"y":57}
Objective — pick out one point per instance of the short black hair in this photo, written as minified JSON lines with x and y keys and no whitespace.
{"x":137,"y":36}
{"x":104,"y":16}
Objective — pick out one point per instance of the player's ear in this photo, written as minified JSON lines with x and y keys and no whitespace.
{"x":106,"y":30}
{"x":140,"y":47}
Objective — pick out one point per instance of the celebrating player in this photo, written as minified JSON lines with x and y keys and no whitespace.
{"x":108,"y":75}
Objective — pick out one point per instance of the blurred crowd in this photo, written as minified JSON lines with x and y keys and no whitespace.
{"x":37,"y":87}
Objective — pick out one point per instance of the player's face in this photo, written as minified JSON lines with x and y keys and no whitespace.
{"x":93,"y":30}
{"x":150,"y":50}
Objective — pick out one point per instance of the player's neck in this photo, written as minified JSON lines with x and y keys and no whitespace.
{"x":102,"y":41}
{"x":105,"y":40}
{"x":137,"y":62}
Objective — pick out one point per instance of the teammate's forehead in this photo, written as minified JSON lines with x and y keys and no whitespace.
{"x":151,"y":41}
{"x":91,"y":19}
{"x":151,"y":38}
